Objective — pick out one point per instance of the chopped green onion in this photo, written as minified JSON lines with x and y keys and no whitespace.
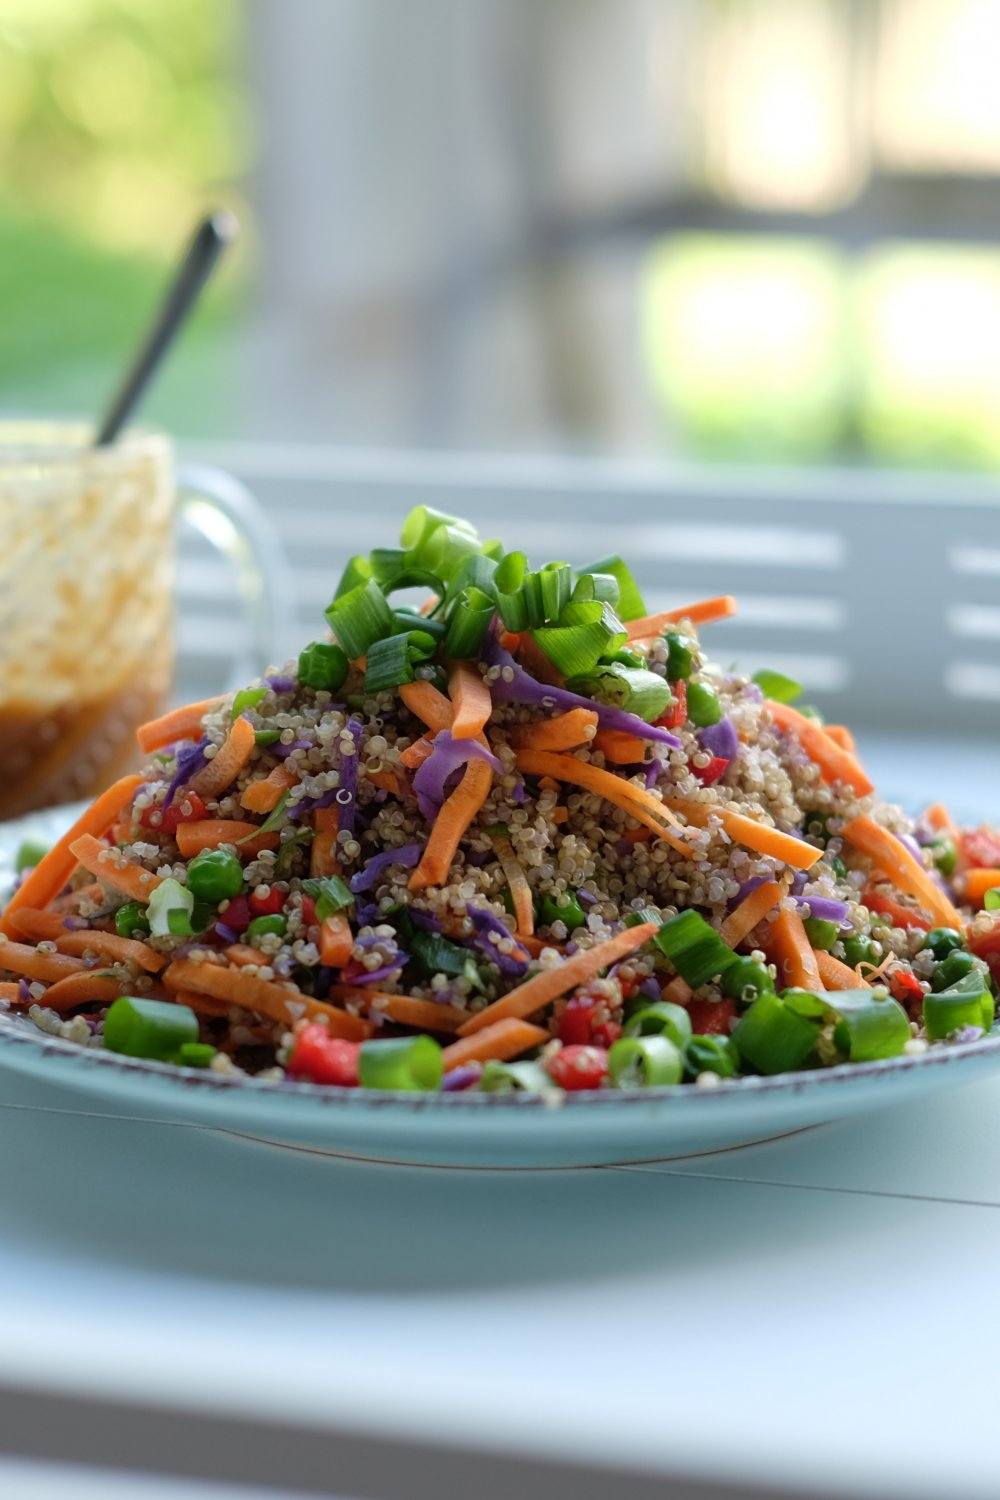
{"x":273,"y":923}
{"x":682,"y":653}
{"x":636,"y":690}
{"x":169,"y":910}
{"x":967,"y":1003}
{"x":323,"y":666}
{"x":774,"y":1038}
{"x":330,"y":895}
{"x":746,"y":979}
{"x":694,"y":948}
{"x":554,"y":583}
{"x":438,"y":955}
{"x":247,"y":698}
{"x":628,"y":658}
{"x":711,"y":1054}
{"x":131,"y":921}
{"x":30,"y":852}
{"x":357,"y":572}
{"x":359,"y":618}
{"x":644,"y":1062}
{"x":810,"y":711}
{"x":662,"y":1018}
{"x":445,"y":551}
{"x":871,"y":1025}
{"x":469,"y":621}
{"x":517,"y":601}
{"x":585,"y":633}
{"x":276,"y":818}
{"x":703,"y":706}
{"x":631,"y":605}
{"x":514,"y":1078}
{"x":408,"y":619}
{"x":391,"y":660}
{"x":195,"y":1055}
{"x":265,"y":737}
{"x":494,"y":549}
{"x":394,"y":570}
{"x":287,"y":856}
{"x":411,"y":1062}
{"x":777,"y":686}
{"x":565,"y":908}
{"x":149,"y":1028}
{"x":421,"y":524}
{"x":991,"y":899}
{"x":821,"y":934}
{"x":600,"y":586}
{"x":645,"y":914}
{"x":955,"y":967}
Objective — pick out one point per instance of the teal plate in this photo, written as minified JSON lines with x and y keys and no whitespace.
{"x":470,"y":1130}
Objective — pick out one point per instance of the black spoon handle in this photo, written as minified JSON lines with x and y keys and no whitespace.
{"x":207,"y":244}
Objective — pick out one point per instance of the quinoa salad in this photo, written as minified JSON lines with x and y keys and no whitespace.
{"x":516,"y":835}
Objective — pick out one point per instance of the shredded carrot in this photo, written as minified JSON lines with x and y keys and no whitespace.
{"x":751,"y":910}
{"x":20,"y":958}
{"x":939,"y":818}
{"x":112,"y":947}
{"x":135,"y":882}
{"x":517,"y":881}
{"x":500,"y":1041}
{"x":425,"y":702}
{"x":243,"y":954}
{"x":336,"y":940}
{"x":414,"y":755}
{"x":641,"y":835}
{"x":457,"y":812}
{"x":977,"y":881}
{"x":839,"y":976}
{"x":405,"y":1010}
{"x":471,"y":699}
{"x":70,"y":900}
{"x":789,"y":948}
{"x":564,"y":732}
{"x":701,"y":613}
{"x":619,"y":747}
{"x":895,"y":860}
{"x":202,"y":1005}
{"x":327,"y":819}
{"x":81,"y":989}
{"x":751,"y":834}
{"x":389,"y":781}
{"x":842,"y":736}
{"x":323,"y":856}
{"x":678,"y":990}
{"x":36,"y":925}
{"x":541,"y":989}
{"x":233,"y":755}
{"x":11,"y":990}
{"x":263,"y":796}
{"x":533,"y":658}
{"x":639,"y":804}
{"x":835,"y":763}
{"x":880,"y":900}
{"x":51,"y":873}
{"x":179,"y":724}
{"x":281,"y":1002}
{"x":534,"y":945}
{"x":559,"y":815}
{"x":192,"y":838}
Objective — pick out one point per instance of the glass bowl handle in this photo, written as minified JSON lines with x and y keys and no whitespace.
{"x":233,"y":521}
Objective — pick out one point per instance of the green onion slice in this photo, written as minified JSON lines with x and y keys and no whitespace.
{"x":149,"y":1028}
{"x":643,"y":1062}
{"x":410,"y":1063}
{"x":694,"y":948}
{"x":777,"y":686}
{"x":515,"y":1078}
{"x":330,"y":894}
{"x":169,"y":910}
{"x":774,"y":1038}
{"x":631,"y":605}
{"x":662,"y":1018}
{"x":634,"y":689}
{"x":360,"y":618}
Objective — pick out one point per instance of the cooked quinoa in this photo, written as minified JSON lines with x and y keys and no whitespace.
{"x":318,"y":878}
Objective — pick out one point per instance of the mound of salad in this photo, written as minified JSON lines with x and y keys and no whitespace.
{"x":519,"y":836}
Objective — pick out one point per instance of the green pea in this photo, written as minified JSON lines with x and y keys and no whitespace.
{"x":703,"y":704}
{"x":681,"y":651}
{"x":322,"y":665}
{"x":261,"y":925}
{"x":860,"y":950}
{"x":565,"y":908}
{"x":955,"y":967}
{"x":215,"y":875}
{"x":943,"y":940}
{"x":746,"y":979}
{"x":821,"y":934}
{"x":131,"y":920}
{"x":945,"y":855}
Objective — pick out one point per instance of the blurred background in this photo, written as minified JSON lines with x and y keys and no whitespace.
{"x":715,"y":229}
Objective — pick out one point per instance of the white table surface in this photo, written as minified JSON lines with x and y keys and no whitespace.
{"x":815,"y":1314}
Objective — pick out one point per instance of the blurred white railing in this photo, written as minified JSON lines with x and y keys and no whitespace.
{"x":880,"y":591}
